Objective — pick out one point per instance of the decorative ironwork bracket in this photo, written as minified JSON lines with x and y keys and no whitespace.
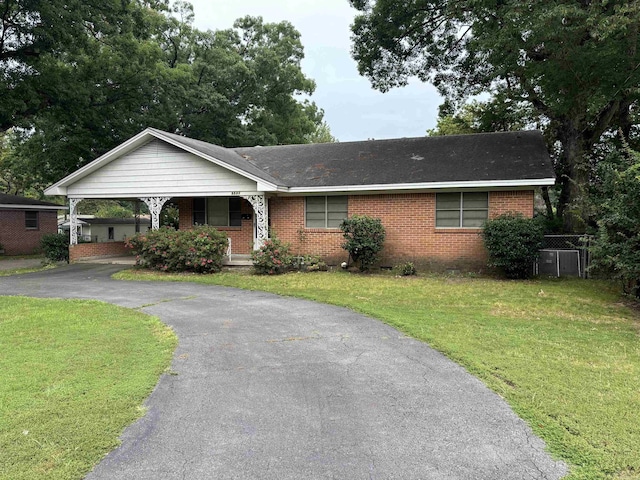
{"x":260,"y":206}
{"x":155,"y":205}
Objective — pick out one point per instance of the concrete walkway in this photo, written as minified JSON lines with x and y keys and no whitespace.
{"x":267,"y":387}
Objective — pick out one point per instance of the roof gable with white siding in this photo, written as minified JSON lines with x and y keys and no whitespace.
{"x":158,"y":168}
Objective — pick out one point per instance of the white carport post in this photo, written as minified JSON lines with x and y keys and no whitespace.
{"x":260,"y":206}
{"x":155,"y":207}
{"x":73,"y":220}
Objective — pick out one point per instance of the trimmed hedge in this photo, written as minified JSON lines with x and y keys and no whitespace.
{"x":364,"y":239}
{"x":199,"y":250}
{"x":55,"y":246}
{"x":513,"y":242}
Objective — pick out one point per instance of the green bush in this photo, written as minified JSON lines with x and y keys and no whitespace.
{"x":199,"y":250}
{"x":55,"y":246}
{"x":272,"y":258}
{"x":364,"y":239}
{"x":405,"y":269}
{"x":513,"y":242}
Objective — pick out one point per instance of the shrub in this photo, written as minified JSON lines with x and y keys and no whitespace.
{"x":513,"y":242}
{"x":272,"y":258}
{"x":199,"y":250}
{"x":617,"y":246}
{"x":405,"y":269}
{"x":308,"y":263}
{"x":364,"y":239}
{"x":55,"y":246}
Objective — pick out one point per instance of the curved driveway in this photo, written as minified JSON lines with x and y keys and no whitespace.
{"x":267,"y":387}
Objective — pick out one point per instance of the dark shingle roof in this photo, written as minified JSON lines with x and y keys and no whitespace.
{"x":6,"y":199}
{"x":226,"y":155}
{"x":453,"y":158}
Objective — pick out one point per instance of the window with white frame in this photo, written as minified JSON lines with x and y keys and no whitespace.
{"x":325,"y":211}
{"x":218,"y":211}
{"x":462,"y":209}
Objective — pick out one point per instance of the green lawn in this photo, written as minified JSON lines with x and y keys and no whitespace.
{"x":73,"y":375}
{"x":564,"y":354}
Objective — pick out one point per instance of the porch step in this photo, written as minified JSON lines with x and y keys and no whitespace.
{"x":237,"y":260}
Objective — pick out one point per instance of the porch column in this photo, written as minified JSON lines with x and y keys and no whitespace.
{"x":155,"y":207}
{"x":260,"y":206}
{"x":73,"y":220}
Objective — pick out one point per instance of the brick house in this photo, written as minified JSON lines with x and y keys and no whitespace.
{"x":23,"y":221}
{"x":431,"y":193}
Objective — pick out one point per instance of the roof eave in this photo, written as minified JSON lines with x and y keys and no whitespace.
{"x":14,"y":206}
{"x":426,"y":186}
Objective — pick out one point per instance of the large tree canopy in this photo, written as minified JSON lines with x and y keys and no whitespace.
{"x":79,"y":77}
{"x":575,"y":64}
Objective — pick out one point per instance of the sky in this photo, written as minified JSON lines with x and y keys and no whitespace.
{"x":353,"y":110}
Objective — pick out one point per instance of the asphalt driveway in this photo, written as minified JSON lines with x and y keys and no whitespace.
{"x":266,"y":387}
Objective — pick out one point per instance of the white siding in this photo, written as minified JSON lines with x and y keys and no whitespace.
{"x":158,"y":168}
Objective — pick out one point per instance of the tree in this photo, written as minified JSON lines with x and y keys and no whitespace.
{"x":107,"y":70}
{"x":322,"y":134}
{"x":576,"y":65}
{"x":617,"y":244}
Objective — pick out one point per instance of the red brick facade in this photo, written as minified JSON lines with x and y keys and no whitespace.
{"x":16,"y":239}
{"x":106,"y":249}
{"x":409,"y":220}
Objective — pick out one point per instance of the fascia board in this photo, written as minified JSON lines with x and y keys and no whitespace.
{"x":31,"y":207}
{"x":427,"y":186}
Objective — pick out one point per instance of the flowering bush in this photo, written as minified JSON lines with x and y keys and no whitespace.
{"x":199,"y":250}
{"x":272,"y":258}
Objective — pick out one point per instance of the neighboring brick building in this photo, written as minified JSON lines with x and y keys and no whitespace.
{"x":23,"y":221}
{"x":431,"y":193}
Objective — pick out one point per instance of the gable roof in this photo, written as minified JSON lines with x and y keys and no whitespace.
{"x":490,"y":158}
{"x":23,"y":203}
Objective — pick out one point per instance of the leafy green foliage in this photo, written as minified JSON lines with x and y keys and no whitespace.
{"x":513,"y":242}
{"x":617,"y":245}
{"x":272,"y":258}
{"x":496,"y":115}
{"x":55,"y":246}
{"x":405,"y":269}
{"x":364,"y":239}
{"x":574,"y":65}
{"x":199,"y":250}
{"x":104,"y":70}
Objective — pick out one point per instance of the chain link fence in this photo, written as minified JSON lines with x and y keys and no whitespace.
{"x":564,"y":255}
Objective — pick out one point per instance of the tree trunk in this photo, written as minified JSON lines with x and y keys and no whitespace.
{"x":574,"y":181}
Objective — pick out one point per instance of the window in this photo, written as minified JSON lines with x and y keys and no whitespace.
{"x":31,"y":220}
{"x":469,"y":209}
{"x":111,"y":233}
{"x":325,"y":212}
{"x":217,"y":211}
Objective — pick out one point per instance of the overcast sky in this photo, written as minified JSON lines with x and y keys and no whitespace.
{"x":353,"y":110}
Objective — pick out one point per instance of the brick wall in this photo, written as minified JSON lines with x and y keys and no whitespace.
{"x":17,"y":239}
{"x":107,"y":249}
{"x":241,"y":237}
{"x":409,"y":220}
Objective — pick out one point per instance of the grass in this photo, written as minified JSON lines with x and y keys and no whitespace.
{"x":565,"y":354}
{"x":18,"y":271}
{"x":74,"y":374}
